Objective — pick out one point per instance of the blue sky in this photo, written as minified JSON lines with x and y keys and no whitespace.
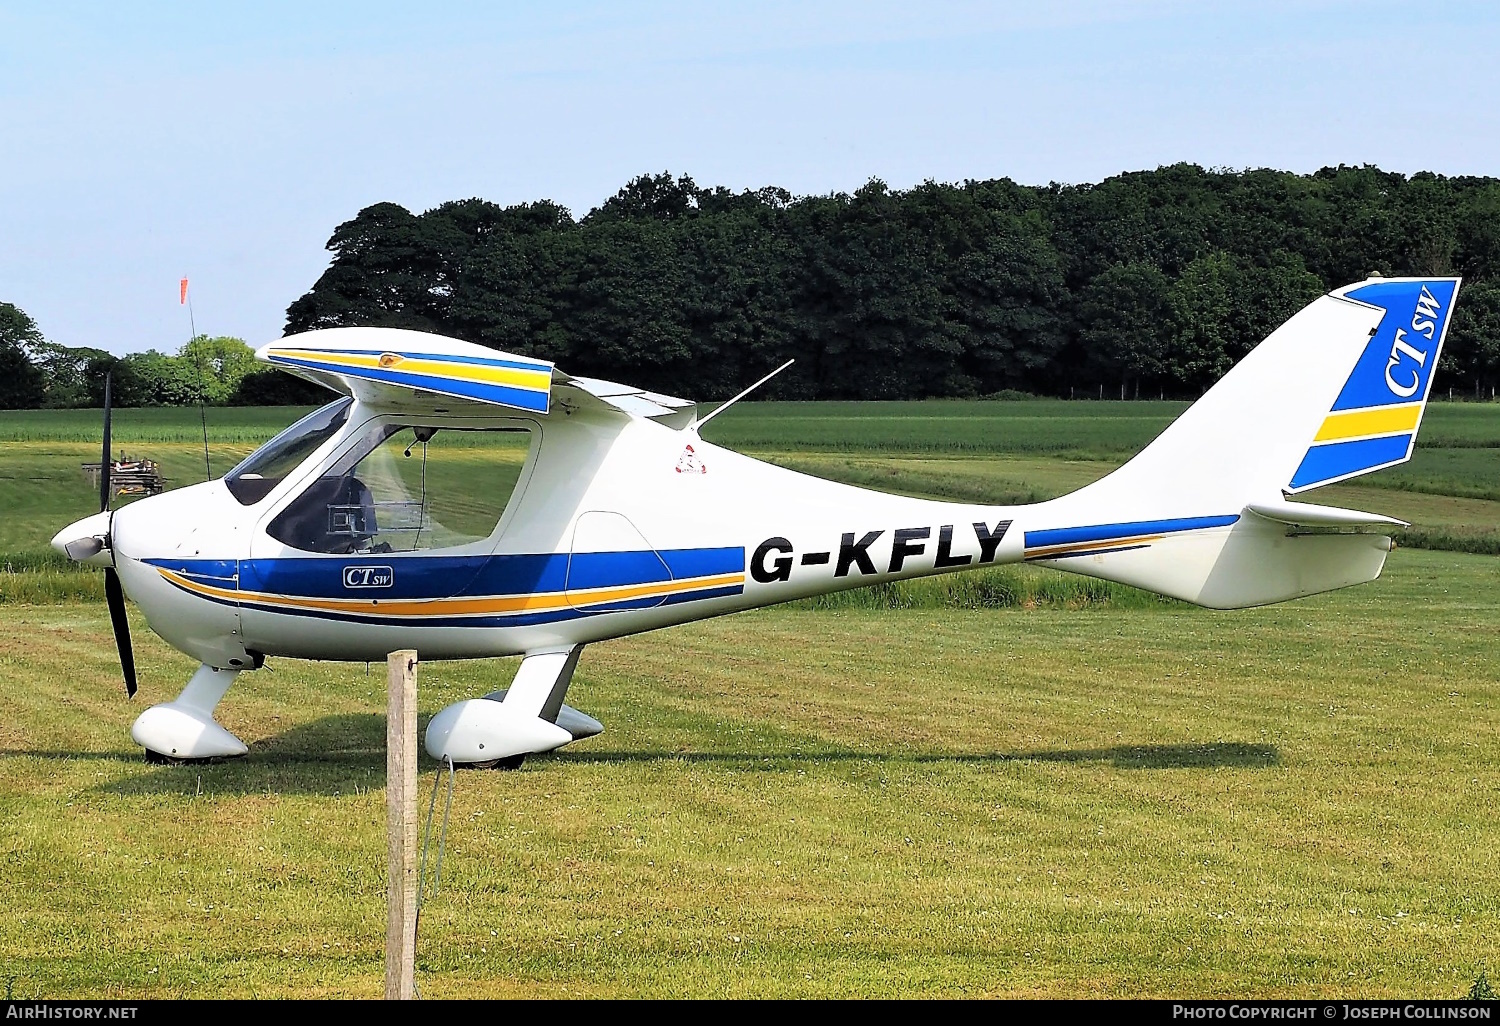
{"x":140,"y":142}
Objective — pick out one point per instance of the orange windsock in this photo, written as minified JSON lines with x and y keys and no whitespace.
{"x":182,"y":292}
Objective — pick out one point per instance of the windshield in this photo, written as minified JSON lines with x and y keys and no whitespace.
{"x":409,"y":488}
{"x":265,"y":468}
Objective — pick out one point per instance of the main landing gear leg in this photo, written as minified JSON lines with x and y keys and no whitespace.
{"x":184,"y":729}
{"x":502,"y":728}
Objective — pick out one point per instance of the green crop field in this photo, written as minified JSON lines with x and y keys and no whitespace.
{"x":1011,"y":783}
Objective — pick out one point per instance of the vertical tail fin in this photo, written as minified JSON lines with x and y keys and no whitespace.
{"x":1373,"y":422}
{"x":1335,"y":392}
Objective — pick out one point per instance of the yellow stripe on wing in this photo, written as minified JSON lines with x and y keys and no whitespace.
{"x":537,"y":379}
{"x":1384,"y":420}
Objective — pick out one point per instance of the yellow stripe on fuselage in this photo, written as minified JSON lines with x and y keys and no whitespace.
{"x":531,"y":380}
{"x":1383,"y":420}
{"x":1071,"y":548}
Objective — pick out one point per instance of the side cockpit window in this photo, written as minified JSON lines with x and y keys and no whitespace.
{"x":408,"y":488}
{"x":265,"y":468}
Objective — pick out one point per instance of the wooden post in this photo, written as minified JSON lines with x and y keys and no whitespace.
{"x":401,"y":826}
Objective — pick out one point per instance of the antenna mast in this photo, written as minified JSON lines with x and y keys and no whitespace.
{"x":746,"y":392}
{"x":185,"y":297}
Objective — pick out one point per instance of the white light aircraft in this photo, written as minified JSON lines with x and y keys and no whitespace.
{"x":601,"y":512}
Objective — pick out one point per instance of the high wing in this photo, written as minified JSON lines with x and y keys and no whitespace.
{"x":396,"y":368}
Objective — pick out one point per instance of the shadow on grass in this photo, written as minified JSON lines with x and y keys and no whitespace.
{"x":345,"y":754}
{"x":334,"y":755}
{"x":1203,"y":756}
{"x":1206,"y":756}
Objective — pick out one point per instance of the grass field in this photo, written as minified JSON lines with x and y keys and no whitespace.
{"x":1019,"y":787}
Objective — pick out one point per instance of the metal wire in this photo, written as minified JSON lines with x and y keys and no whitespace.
{"x":423,"y":891}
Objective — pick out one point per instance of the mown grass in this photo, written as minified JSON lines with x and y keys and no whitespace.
{"x":1008,"y":587}
{"x":954,"y":425}
{"x":1467,"y":472}
{"x":945,"y":425}
{"x":1098,"y":429}
{"x":44,"y":585}
{"x":236,"y":424}
{"x":1451,"y":521}
{"x":1298,"y":801}
{"x":43,"y":488}
{"x":1008,"y":783}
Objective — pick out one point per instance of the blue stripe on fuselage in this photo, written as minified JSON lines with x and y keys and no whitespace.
{"x":1109,"y":532}
{"x":423,"y":577}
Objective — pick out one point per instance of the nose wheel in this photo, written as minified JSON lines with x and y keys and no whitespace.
{"x":510,"y":763}
{"x":158,"y":759}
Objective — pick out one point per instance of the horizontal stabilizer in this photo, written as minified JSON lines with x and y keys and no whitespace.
{"x":1305,"y":514}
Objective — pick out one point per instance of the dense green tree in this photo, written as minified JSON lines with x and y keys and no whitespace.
{"x":1154,"y":279}
{"x":1204,"y":334}
{"x":1478,"y":230}
{"x":390,"y":269}
{"x":206,"y":370}
{"x":1266,"y":294}
{"x":1125,"y":318}
{"x":22,"y":383}
{"x":272,"y":387}
{"x":650,"y":198}
{"x":1471,"y":353}
{"x":66,"y":371}
{"x":508,"y":286}
{"x":156,"y":379}
{"x":219,"y":364}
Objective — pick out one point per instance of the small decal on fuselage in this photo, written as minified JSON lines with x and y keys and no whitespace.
{"x":368,"y":577}
{"x":690,"y":463}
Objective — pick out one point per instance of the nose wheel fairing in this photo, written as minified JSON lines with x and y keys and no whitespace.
{"x":185,"y":729}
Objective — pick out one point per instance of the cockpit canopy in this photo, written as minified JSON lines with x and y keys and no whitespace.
{"x":407,"y":487}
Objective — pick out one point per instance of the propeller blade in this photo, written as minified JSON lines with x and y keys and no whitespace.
{"x":116,"y":597}
{"x":104,"y":463}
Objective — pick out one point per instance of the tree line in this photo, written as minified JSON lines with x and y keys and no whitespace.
{"x":215,"y":371}
{"x":1150,"y":283}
